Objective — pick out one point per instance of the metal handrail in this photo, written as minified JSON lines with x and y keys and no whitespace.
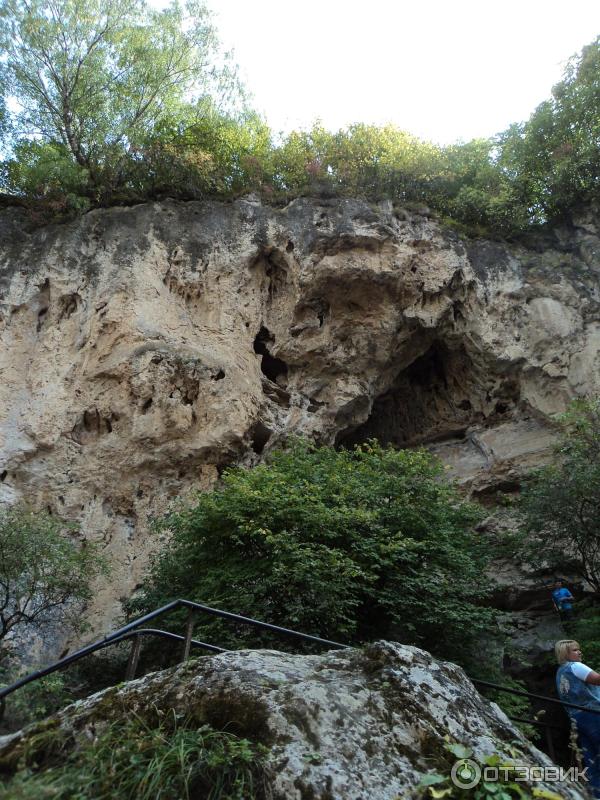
{"x":543,"y":697}
{"x":130,"y":630}
{"x":133,"y":631}
{"x":168,"y":635}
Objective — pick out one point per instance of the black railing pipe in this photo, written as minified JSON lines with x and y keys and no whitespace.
{"x":535,"y":696}
{"x":85,"y":651}
{"x":128,"y":630}
{"x":258,"y":624}
{"x":175,"y":637}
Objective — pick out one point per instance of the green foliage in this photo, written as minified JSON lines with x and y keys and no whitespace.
{"x":46,"y":172}
{"x":135,"y":760}
{"x":561,"y":503}
{"x":4,"y":121}
{"x":205,"y":153}
{"x":43,"y":574}
{"x":554,"y":157}
{"x":34,"y":701}
{"x":120,"y":102}
{"x":94,"y":79}
{"x":473,"y":189}
{"x":438,"y":784}
{"x":362,"y":160}
{"x":585,"y":629}
{"x":349,"y":545}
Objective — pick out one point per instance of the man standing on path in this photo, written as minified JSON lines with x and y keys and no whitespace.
{"x":562,"y":600}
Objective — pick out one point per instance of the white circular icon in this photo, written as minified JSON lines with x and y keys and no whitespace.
{"x":465,"y":773}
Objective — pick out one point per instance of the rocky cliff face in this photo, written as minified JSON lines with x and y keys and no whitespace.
{"x":345,"y":725}
{"x":145,"y":348}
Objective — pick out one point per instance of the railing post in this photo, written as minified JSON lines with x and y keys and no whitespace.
{"x":134,"y":657}
{"x":189,"y":630}
{"x":550,"y":744}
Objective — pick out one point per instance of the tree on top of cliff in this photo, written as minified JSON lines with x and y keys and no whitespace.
{"x":93,"y":78}
{"x":350,"y":545}
{"x":562,"y":501}
{"x":553,"y":159}
{"x":43,"y":574}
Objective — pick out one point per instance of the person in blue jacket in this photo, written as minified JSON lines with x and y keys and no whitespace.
{"x":579,"y":684}
{"x":563,"y":600}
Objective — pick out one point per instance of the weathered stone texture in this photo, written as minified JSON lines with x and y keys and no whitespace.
{"x":346,"y":725}
{"x":142,"y":349}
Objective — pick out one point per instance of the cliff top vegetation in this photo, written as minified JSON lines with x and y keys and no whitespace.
{"x":111,"y":101}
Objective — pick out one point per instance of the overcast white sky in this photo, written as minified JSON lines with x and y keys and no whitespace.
{"x":443,"y":70}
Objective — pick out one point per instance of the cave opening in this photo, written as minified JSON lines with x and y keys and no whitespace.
{"x":438,"y":396}
{"x":260,"y":435}
{"x":271,"y":366}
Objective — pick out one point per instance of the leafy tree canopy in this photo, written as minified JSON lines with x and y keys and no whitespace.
{"x":349,"y":545}
{"x":93,"y":77}
{"x":119,"y":102}
{"x":554,"y":157}
{"x":43,"y":574}
{"x":562,"y":501}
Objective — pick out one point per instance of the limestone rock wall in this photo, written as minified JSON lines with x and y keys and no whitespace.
{"x":143,"y":349}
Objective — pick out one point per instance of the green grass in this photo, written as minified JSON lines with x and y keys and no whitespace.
{"x":174,"y":760}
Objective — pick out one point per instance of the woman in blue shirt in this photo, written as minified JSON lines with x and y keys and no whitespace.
{"x":579,"y":684}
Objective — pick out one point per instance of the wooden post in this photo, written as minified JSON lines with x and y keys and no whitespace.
{"x":189,"y":630}
{"x":134,"y":657}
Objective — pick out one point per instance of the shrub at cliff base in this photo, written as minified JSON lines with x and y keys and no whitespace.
{"x":561,"y":502}
{"x":348,"y":545}
{"x":44,"y":574}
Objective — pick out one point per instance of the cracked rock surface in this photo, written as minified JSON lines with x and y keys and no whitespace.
{"x":346,"y":725}
{"x":143,"y":349}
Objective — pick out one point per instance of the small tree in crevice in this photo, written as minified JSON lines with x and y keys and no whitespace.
{"x":562,"y":501}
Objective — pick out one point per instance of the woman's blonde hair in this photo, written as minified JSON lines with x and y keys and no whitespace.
{"x":561,"y":647}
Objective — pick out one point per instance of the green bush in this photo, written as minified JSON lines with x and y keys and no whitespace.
{"x":441,"y":783}
{"x":44,"y":574}
{"x":35,"y":700}
{"x":348,"y":545}
{"x":585,"y":629}
{"x":561,"y":502}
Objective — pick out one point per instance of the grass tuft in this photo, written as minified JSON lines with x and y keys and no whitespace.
{"x":175,"y":760}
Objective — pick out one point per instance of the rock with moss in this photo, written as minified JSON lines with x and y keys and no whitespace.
{"x":345,"y":724}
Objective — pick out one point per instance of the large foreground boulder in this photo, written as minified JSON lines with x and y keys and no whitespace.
{"x":354,"y":724}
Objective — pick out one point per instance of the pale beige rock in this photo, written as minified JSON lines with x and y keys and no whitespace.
{"x":345,"y":725}
{"x":143,"y":349}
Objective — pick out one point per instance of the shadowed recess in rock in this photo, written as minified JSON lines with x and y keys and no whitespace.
{"x":438,"y":396}
{"x":271,"y":366}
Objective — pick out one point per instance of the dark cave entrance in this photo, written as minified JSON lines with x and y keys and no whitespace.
{"x":271,"y":366}
{"x":437,"y":397}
